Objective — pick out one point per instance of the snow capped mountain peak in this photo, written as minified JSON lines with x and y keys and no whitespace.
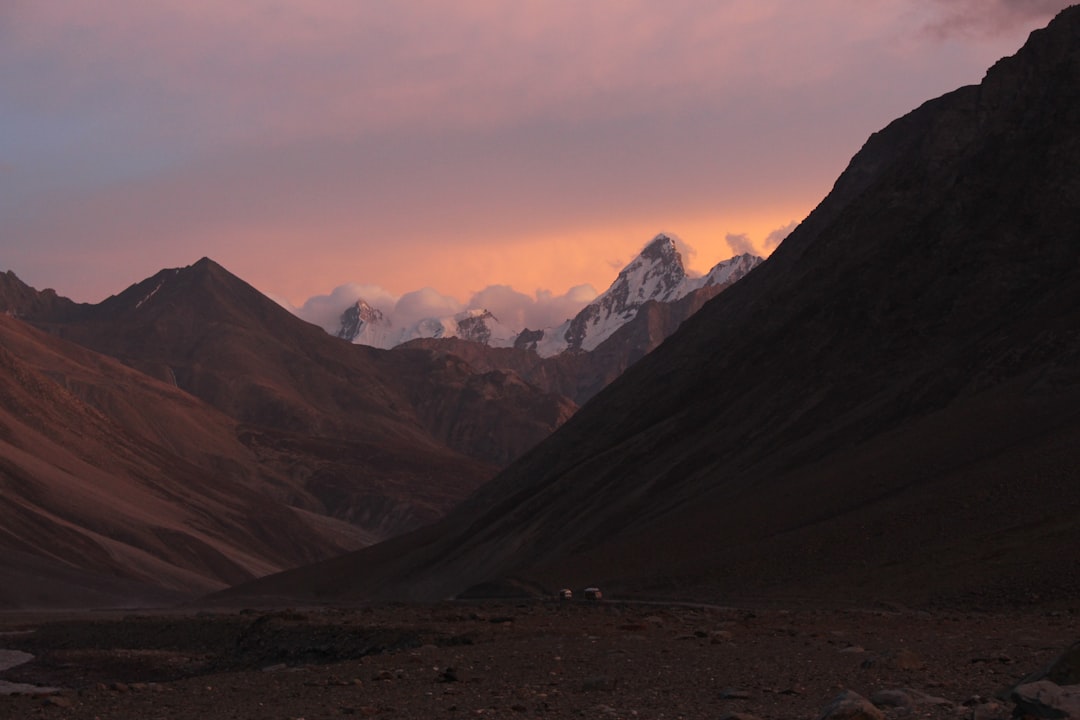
{"x":478,"y":325}
{"x":365,"y":324}
{"x":661,"y":248}
{"x":657,"y":274}
{"x":727,"y":271}
{"x":356,"y":318}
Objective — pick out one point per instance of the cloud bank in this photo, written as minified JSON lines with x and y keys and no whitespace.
{"x":990,"y":18}
{"x":514,"y":309}
{"x":543,"y":310}
{"x":739,"y":243}
{"x":325,"y":310}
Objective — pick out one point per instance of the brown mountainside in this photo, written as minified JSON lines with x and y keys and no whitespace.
{"x":353,"y":423}
{"x":136,"y":494}
{"x":289,"y":445}
{"x":886,"y":408}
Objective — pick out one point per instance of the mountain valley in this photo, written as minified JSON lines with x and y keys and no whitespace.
{"x":838,"y":483}
{"x":886,"y":408}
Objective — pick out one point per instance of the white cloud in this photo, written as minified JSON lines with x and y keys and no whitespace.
{"x":990,"y":18}
{"x":778,"y":236}
{"x":740,"y":243}
{"x":513,"y":308}
{"x":551,"y":309}
{"x":504,"y":302}
{"x":517,"y":310}
{"x":424,"y":303}
{"x":325,"y":310}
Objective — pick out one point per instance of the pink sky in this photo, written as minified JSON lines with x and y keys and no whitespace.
{"x":535,"y":144}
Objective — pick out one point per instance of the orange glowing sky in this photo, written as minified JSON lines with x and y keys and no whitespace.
{"x":535,"y":144}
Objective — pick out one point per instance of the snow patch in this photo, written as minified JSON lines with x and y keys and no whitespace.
{"x":149,"y":295}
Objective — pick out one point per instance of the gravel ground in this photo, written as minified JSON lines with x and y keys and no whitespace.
{"x":527,"y":660}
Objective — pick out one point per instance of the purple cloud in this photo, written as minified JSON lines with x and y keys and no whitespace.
{"x":989,"y":17}
{"x":740,"y":244}
{"x":778,"y":236}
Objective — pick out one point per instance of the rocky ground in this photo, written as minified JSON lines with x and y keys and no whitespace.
{"x":528,"y":660}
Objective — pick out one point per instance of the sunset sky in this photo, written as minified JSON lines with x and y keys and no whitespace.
{"x":537,"y":144}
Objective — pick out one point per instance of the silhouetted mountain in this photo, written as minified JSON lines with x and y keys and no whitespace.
{"x":886,"y":408}
{"x":20,"y":300}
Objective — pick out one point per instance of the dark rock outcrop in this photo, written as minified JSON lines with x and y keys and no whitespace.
{"x":849,"y":705}
{"x":1045,"y":699}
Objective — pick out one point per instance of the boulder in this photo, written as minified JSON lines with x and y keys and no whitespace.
{"x":905,"y":698}
{"x":1065,"y":670}
{"x":1046,"y":699}
{"x":850,"y":705}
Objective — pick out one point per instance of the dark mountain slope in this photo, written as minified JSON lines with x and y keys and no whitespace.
{"x":885,"y":408}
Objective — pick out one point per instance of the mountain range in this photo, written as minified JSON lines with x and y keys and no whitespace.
{"x":657,"y":274}
{"x":189,"y":433}
{"x":886,"y":409}
{"x":218,"y":403}
{"x":580,"y":374}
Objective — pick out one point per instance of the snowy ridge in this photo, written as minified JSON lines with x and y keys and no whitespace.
{"x":477,"y":325}
{"x":161,"y":283}
{"x":366,"y":325}
{"x":656,"y":274}
{"x":727,"y":271}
